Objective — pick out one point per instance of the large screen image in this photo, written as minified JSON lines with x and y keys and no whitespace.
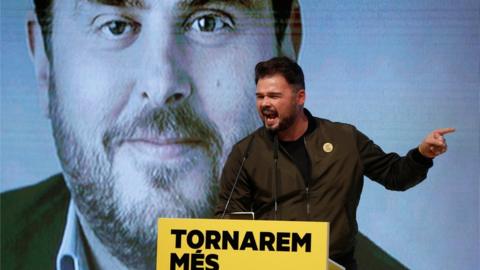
{"x":117,"y":112}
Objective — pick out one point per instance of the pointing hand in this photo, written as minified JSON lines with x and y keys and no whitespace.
{"x":434,"y":144}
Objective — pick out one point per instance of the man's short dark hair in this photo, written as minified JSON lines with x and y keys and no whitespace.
{"x":44,"y":11}
{"x":284,"y":66}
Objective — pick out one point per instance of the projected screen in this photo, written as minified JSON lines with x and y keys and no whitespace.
{"x":135,"y":105}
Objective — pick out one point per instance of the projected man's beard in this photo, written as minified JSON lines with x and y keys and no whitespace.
{"x":120,"y":197}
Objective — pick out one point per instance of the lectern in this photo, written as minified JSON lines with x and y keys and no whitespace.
{"x":193,"y":244}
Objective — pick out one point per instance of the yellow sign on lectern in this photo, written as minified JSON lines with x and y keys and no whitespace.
{"x":187,"y":244}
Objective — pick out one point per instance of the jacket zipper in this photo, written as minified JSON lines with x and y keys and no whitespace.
{"x":307,"y":183}
{"x":308,"y":202}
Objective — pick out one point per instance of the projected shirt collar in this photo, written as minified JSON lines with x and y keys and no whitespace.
{"x":71,"y":255}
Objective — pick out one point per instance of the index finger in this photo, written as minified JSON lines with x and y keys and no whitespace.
{"x":443,"y":131}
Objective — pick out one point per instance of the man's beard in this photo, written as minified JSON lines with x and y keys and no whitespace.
{"x":127,"y":229}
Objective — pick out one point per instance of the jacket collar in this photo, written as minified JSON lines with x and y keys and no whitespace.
{"x":312,"y":123}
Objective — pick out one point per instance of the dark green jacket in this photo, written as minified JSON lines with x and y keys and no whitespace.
{"x":336,"y":178}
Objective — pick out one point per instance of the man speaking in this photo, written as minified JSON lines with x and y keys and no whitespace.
{"x":299,"y":167}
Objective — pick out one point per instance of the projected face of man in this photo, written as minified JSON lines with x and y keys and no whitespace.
{"x":146,"y":99}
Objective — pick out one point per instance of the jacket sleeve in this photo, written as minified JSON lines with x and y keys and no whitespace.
{"x":241,"y":193}
{"x":394,"y":172}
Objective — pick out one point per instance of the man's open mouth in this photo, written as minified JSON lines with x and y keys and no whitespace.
{"x":269,"y":114}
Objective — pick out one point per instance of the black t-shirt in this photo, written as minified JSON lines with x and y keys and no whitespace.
{"x":297,"y":151}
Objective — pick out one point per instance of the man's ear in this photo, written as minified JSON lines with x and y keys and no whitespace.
{"x":39,"y":59}
{"x":301,"y":95}
{"x":292,"y":39}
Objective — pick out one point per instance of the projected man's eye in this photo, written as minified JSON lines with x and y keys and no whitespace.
{"x":208,"y":27}
{"x":114,"y":31}
{"x":118,"y":29}
{"x":210,"y":23}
